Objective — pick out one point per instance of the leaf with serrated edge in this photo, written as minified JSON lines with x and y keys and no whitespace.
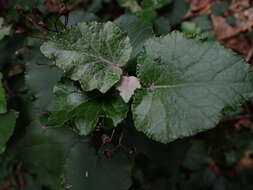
{"x":91,"y":53}
{"x":127,"y":87}
{"x":186,"y":89}
{"x":70,"y":103}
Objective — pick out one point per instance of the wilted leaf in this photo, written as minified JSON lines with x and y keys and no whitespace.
{"x":91,"y":53}
{"x":186,"y":89}
{"x":127,"y":87}
{"x":7,"y":125}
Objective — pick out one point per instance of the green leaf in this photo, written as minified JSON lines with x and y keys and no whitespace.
{"x":91,"y":53}
{"x":156,"y":4}
{"x":85,"y":109}
{"x":187,"y":89}
{"x":4,"y":30}
{"x":196,"y":156}
{"x":132,"y":5}
{"x":84,"y":167}
{"x":220,"y":8}
{"x":137,"y":30}
{"x":204,"y":22}
{"x":43,"y":152}
{"x":7,"y":121}
{"x":79,"y":16}
{"x":40,"y":76}
{"x":2,"y":97}
{"x":162,"y":25}
{"x":49,"y":154}
{"x":148,"y":15}
{"x":190,"y":28}
{"x":178,"y":11}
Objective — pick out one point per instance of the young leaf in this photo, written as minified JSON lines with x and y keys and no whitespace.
{"x":84,"y":167}
{"x":127,"y":87}
{"x":7,"y":125}
{"x":2,"y":97}
{"x":186,"y":89}
{"x":91,"y":53}
{"x":84,"y":110}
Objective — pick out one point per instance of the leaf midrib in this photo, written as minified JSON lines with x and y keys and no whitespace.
{"x":196,"y":84}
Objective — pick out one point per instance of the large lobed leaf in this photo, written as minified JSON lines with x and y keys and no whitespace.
{"x":84,"y":110}
{"x":59,"y":157}
{"x":91,"y":53}
{"x":113,"y":173}
{"x":187,"y":86}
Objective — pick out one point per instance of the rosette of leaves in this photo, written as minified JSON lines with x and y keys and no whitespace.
{"x":184,"y":90}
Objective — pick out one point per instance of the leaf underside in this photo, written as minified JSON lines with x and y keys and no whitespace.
{"x":187,"y":89}
{"x":91,"y":53}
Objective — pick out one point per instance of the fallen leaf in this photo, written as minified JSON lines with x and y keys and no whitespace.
{"x":127,"y":87}
{"x":243,"y":123}
{"x":198,"y":4}
{"x":53,"y":5}
{"x":222,"y":29}
{"x":239,"y":43}
{"x":246,"y":162}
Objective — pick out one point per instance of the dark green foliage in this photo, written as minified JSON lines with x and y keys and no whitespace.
{"x":105,"y":95}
